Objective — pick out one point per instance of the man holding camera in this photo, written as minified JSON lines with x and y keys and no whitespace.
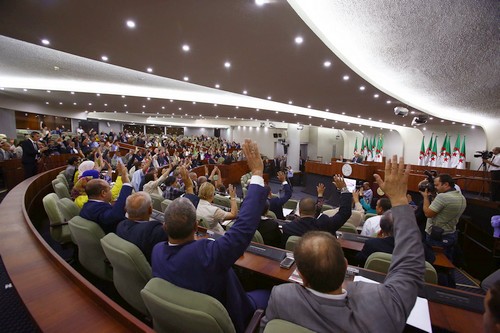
{"x":495,"y":173}
{"x":443,"y":214}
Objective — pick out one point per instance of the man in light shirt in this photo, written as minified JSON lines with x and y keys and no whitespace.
{"x":371,"y":227}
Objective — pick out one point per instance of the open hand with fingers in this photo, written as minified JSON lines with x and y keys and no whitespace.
{"x":395,"y":182}
{"x":320,"y":189}
{"x":338,"y":180}
{"x":254,"y":161}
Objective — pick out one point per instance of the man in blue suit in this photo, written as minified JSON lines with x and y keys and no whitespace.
{"x":99,"y":208}
{"x":276,"y":204}
{"x":205,"y":265}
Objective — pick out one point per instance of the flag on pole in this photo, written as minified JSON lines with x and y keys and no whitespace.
{"x":378,"y":150}
{"x":428,"y":152}
{"x":381,"y":147}
{"x":433,"y":159}
{"x":365,"y":147}
{"x":461,"y":160}
{"x":447,"y":155}
{"x":369,"y":157}
{"x":456,"y":153}
{"x":421,"y":157}
{"x":356,"y":146}
{"x":442,"y":152}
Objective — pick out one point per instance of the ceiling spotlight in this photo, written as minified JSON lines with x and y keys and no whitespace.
{"x":185,"y":48}
{"x":130,"y":24}
{"x":227,"y":64}
{"x":388,"y":102}
{"x":290,"y":102}
{"x":269,"y":97}
{"x":186,"y":78}
{"x":217,"y":86}
{"x":375,"y":96}
{"x":245,"y":92}
{"x":362,"y":88}
{"x":327,"y":63}
{"x":45,"y":42}
{"x":150,"y":70}
{"x":345,"y":77}
{"x":260,"y":2}
{"x":299,"y":40}
{"x":104,"y":58}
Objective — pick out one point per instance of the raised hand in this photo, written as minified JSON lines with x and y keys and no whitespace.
{"x":320,"y":189}
{"x":395,"y":184}
{"x":338,"y":180}
{"x":232,"y":191}
{"x":254,"y":161}
{"x":281,"y":176}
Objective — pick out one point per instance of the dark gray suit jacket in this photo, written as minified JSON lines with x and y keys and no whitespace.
{"x":368,"y":307}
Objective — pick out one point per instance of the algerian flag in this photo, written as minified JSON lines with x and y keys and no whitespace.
{"x":356,"y":146}
{"x":461,"y":160}
{"x":447,"y":155}
{"x":433,"y":160}
{"x":455,"y":156}
{"x":442,"y":152}
{"x":421,"y":157}
{"x":369,"y":157}
{"x":428,"y":152}
{"x":381,"y":147}
{"x":378,"y":155}
{"x":364,"y":147}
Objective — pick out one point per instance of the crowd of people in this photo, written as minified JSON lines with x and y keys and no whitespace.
{"x":162,"y":167}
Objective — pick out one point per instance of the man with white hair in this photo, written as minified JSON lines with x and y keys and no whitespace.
{"x":138,"y":228}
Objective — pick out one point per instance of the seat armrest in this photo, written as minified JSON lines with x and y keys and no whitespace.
{"x":254,"y":324}
{"x":58,"y":225}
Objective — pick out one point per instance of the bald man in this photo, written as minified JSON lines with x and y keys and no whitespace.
{"x":139,"y":229}
{"x":99,"y":209}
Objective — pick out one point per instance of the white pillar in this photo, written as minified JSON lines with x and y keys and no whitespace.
{"x":293,"y":153}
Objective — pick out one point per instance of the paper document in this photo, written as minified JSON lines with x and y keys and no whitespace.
{"x":287,"y":211}
{"x":419,"y":315}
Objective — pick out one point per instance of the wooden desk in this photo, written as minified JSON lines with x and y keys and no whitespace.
{"x":443,"y":316}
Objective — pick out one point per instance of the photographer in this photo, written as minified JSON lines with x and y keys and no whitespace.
{"x":443,"y":213}
{"x":494,"y":168}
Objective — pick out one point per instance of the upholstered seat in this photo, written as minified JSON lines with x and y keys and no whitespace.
{"x":380,"y":262}
{"x":292,"y":242}
{"x":87,"y":235}
{"x":59,"y":230}
{"x":347,"y":227}
{"x":176,"y":309}
{"x":131,"y":270}
{"x":164,"y":204}
{"x":157,"y":200}
{"x":61,"y":189}
{"x":283,"y":326}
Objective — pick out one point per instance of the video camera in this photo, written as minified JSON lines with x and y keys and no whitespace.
{"x":484,"y":154}
{"x":429,"y":185}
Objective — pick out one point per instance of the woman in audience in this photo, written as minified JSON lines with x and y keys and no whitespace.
{"x":212,"y":215}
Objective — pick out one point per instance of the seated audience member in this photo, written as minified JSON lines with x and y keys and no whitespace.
{"x":78,"y":191}
{"x":371,"y":227}
{"x":443,"y":214}
{"x":322,"y":305}
{"x":491,"y":317}
{"x":276,"y":203}
{"x":152,"y":182}
{"x":70,"y":171}
{"x":213,"y":215}
{"x":99,"y":208}
{"x":269,"y":229}
{"x":139,"y":175}
{"x":362,"y":202}
{"x":138,"y":228}
{"x":385,"y":241}
{"x":307,"y":213}
{"x":205,"y":265}
{"x":172,"y":190}
{"x":367,"y":193}
{"x":357,"y":158}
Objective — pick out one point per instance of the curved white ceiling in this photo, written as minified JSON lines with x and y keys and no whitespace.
{"x":441,"y":57}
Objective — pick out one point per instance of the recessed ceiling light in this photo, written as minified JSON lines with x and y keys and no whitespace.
{"x":260,"y":2}
{"x":74,"y":103}
{"x":388,"y":102}
{"x":149,"y":69}
{"x":309,"y":106}
{"x":194,"y":102}
{"x":412,"y":112}
{"x":276,"y":112}
{"x":143,"y":106}
{"x":72,"y":93}
{"x":245,"y":92}
{"x":268,"y":97}
{"x":217,"y":85}
{"x":327,"y":63}
{"x":149,"y":98}
{"x":186,"y":78}
{"x":362,"y":88}
{"x":237,"y":107}
{"x":126,"y":111}
{"x":90,"y":103}
{"x":171,"y":100}
{"x":48,"y":91}
{"x":125,"y":105}
{"x":310,"y":117}
{"x":376,"y":96}
{"x":290,"y":102}
{"x":45,"y":42}
{"x":327,"y":110}
{"x":185,"y":48}
{"x":60,"y":103}
{"x":472,"y":126}
{"x":442,"y":120}
{"x":25,"y":89}
{"x":299,"y":40}
{"x":98,"y":95}
{"x":142,"y":112}
{"x":123,"y":96}
{"x":431,"y":118}
{"x":180,"y":109}
{"x":425,"y":128}
{"x":345,"y":77}
{"x":359,"y":116}
{"x":163,"y":108}
{"x":227,"y":64}
{"x":47,"y":103}
{"x":130,"y":24}
{"x":343,"y":112}
{"x":104,"y":58}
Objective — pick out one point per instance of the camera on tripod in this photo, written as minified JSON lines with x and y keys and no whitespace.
{"x":484,"y":154}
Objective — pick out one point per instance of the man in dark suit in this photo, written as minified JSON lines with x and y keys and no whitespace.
{"x":357,"y":158}
{"x":99,"y":208}
{"x":269,"y":229}
{"x":205,"y":265}
{"x":138,"y":228}
{"x":307,"y":212}
{"x":276,"y":203}
{"x":31,"y":154}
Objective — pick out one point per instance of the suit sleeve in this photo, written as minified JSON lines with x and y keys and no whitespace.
{"x":332,"y":224}
{"x":227,"y":249}
{"x":406,"y":272}
{"x":115,"y":215}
